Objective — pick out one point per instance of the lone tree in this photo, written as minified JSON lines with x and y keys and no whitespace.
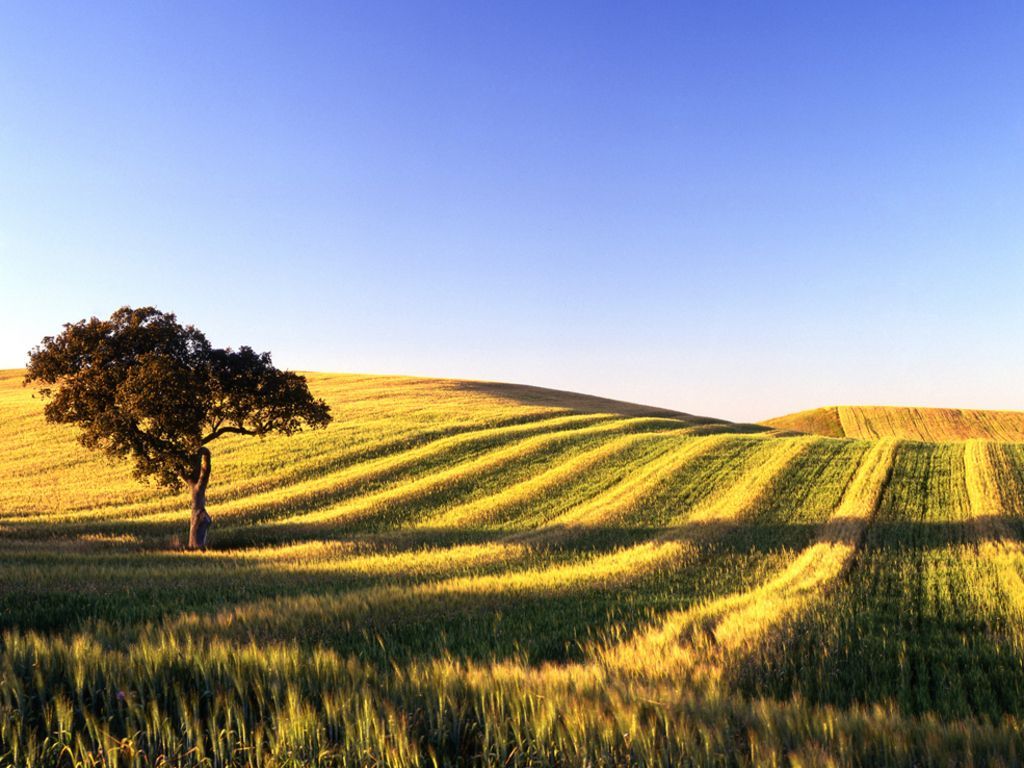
{"x":142,"y":386}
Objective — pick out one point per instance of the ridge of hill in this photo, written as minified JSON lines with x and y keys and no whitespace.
{"x":934,"y":425}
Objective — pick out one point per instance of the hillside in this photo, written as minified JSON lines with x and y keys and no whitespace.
{"x":386,"y":431}
{"x":925,"y":424}
{"x":465,"y":573}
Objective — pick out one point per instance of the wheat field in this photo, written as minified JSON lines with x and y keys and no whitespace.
{"x":922,"y":424}
{"x":472,"y":574}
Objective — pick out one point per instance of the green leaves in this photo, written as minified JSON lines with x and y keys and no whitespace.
{"x":142,"y":386}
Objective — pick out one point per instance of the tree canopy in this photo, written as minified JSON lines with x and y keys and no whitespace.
{"x":142,"y":386}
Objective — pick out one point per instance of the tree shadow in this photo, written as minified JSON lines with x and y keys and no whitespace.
{"x":156,"y":538}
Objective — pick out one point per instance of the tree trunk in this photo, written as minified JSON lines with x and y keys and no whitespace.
{"x":200,"y":519}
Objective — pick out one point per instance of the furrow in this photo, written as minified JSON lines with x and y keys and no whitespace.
{"x":742,"y":620}
{"x":246,"y":479}
{"x":614,"y":503}
{"x":754,"y":486}
{"x":671,"y":550}
{"x":549,"y":486}
{"x":355,"y":480}
{"x":698,"y":641}
{"x":446,"y":482}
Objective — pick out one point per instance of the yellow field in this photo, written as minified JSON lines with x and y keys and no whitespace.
{"x":464,"y":573}
{"x":927,"y":424}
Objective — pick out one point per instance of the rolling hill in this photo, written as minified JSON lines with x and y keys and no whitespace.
{"x":925,"y":424}
{"x":467,"y":573}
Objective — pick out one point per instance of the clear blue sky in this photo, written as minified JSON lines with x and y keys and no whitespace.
{"x":735,"y":209}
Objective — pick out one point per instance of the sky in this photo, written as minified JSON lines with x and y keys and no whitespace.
{"x":732,"y":209}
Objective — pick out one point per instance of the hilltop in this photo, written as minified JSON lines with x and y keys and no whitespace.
{"x":925,"y":424}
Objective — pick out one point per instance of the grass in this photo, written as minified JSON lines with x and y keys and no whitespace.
{"x":459,"y":573}
{"x":922,"y":424}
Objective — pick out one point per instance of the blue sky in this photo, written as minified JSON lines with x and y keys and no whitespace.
{"x":734,"y":209}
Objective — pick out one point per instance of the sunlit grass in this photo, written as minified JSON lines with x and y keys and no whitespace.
{"x":925,"y":424}
{"x":461,"y":573}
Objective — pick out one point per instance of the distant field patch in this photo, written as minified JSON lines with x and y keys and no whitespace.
{"x":925,"y":424}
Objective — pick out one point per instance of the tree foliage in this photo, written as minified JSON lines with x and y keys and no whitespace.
{"x":142,"y":386}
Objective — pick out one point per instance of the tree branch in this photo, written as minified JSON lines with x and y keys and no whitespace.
{"x":226,"y":430}
{"x":144,"y":442}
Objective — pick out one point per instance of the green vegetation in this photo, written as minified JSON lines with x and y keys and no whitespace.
{"x":457,"y":573}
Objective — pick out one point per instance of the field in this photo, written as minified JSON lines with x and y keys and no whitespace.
{"x":461,"y":573}
{"x":922,"y":424}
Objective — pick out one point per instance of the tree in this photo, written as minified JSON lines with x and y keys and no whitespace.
{"x":143,"y":387}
